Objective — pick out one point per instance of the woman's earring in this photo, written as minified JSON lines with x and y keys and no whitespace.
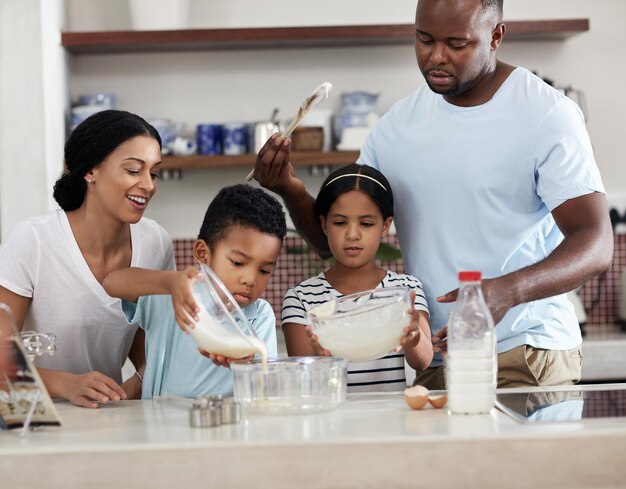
{"x":89,"y":180}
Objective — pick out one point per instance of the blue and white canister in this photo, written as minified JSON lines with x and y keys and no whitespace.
{"x":235,"y":138}
{"x":209,"y":138}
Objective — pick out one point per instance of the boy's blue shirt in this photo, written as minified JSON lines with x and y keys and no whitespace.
{"x":174,"y":366}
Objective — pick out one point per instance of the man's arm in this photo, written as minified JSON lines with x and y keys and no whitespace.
{"x":273,"y":170}
{"x":586,"y":250}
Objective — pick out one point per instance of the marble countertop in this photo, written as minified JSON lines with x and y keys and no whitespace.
{"x":373,"y":440}
{"x":604,"y":354}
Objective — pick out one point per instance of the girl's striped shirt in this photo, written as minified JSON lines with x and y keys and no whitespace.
{"x":382,"y":374}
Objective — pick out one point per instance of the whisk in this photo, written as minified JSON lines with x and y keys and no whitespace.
{"x":316,"y":96}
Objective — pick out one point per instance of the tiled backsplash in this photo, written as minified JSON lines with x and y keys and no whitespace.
{"x":601,"y":295}
{"x":296,"y":263}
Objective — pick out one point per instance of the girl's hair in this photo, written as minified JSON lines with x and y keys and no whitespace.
{"x":89,"y":145}
{"x":355,"y":177}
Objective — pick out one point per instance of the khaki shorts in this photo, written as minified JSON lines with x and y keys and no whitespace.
{"x":526,"y":365}
{"x":522,"y":366}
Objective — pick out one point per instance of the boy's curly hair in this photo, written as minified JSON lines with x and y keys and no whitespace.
{"x":242,"y":205}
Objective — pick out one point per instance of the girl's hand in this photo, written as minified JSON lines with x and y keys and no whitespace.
{"x":317,"y":348}
{"x":412,"y":333}
{"x":418,"y":352}
{"x":185,"y":308}
{"x":221,"y":360}
{"x":410,"y":336}
{"x":91,"y":389}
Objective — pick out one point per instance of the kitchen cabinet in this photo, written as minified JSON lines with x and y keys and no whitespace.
{"x":94,"y":43}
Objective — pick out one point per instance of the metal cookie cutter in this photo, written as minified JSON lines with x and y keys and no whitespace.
{"x":231,"y":411}
{"x":205,"y":412}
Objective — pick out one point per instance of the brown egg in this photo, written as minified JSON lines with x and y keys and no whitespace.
{"x":416,"y":396}
{"x":438,"y":401}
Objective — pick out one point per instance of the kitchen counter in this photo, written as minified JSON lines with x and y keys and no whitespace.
{"x":373,"y":440}
{"x":604,"y":352}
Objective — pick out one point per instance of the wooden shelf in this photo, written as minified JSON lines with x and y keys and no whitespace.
{"x":312,"y":158}
{"x":288,"y":37}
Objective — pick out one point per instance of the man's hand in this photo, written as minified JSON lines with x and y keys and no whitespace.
{"x":440,"y":340}
{"x":499,"y":296}
{"x":273,"y":169}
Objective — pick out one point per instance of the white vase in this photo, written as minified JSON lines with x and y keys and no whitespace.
{"x":154,"y":15}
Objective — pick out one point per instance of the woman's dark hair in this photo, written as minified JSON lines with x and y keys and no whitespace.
{"x":89,"y":144}
{"x":355,"y":177}
{"x":242,"y":205}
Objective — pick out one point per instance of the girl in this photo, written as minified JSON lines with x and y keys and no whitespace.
{"x":52,"y":266}
{"x":355,"y":207}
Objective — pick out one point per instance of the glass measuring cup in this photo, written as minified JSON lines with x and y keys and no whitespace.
{"x":222,"y":327}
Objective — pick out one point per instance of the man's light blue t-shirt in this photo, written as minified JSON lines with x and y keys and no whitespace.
{"x":174,"y":366}
{"x":474,"y":188}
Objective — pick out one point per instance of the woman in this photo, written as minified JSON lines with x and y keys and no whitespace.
{"x":52,"y":266}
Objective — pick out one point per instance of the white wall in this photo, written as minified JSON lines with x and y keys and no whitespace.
{"x":33,"y":98}
{"x":245,"y":85}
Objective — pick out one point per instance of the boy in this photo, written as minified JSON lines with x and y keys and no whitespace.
{"x":240,"y":239}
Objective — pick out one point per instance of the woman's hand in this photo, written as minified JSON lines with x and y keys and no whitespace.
{"x":317,"y":348}
{"x":185,"y":308}
{"x":91,"y":389}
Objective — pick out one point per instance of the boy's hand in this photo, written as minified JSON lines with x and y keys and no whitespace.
{"x":221,"y":360}
{"x":185,"y":308}
{"x":317,"y":348}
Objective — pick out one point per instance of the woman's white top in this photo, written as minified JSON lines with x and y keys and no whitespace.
{"x":40,"y":259}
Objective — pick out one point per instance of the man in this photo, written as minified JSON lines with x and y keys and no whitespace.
{"x":492,"y":170}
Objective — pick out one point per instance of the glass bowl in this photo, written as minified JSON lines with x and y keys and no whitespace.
{"x":362,"y":326}
{"x":292,"y":385}
{"x":222,"y":327}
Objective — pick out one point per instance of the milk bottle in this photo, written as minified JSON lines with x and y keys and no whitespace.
{"x":471,"y":363}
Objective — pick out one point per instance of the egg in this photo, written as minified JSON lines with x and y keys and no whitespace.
{"x":438,"y":401}
{"x":416,"y":396}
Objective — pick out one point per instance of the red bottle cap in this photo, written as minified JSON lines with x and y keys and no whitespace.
{"x":472,"y":276}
